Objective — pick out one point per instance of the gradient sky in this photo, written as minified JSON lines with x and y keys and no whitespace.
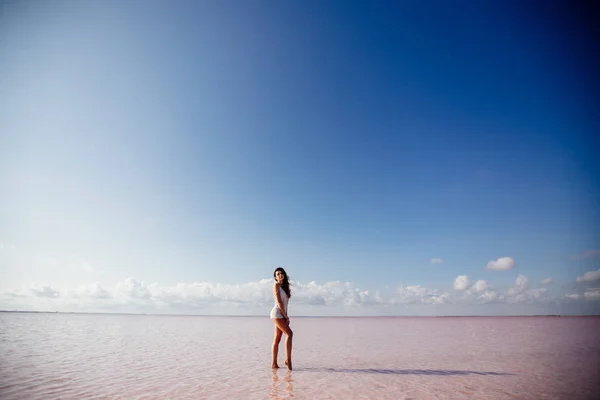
{"x":166,"y":157}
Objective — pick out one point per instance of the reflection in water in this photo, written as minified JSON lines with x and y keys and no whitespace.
{"x":282,"y":387}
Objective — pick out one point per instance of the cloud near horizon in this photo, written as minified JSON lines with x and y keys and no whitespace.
{"x":44,"y":291}
{"x":478,"y":292}
{"x":481,"y":292}
{"x":437,"y":260}
{"x":586,"y":287}
{"x":592,"y":294}
{"x":133,"y":294}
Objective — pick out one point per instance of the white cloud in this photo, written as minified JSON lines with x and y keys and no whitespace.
{"x":7,"y":246}
{"x":133,"y":295}
{"x":547,"y":281}
{"x":521,"y":282}
{"x":44,"y":291}
{"x":537,"y":293}
{"x":461,"y":282}
{"x":489,"y":296}
{"x":589,"y":276}
{"x":132,"y":289}
{"x":592,"y":295}
{"x":419,"y":295}
{"x":520,"y":285}
{"x":501,"y":264}
{"x":198,"y":295}
{"x":520,"y":292}
{"x":330,"y":293}
{"x":479,"y":292}
{"x":479,"y":286}
{"x":437,"y":260}
{"x":93,"y":291}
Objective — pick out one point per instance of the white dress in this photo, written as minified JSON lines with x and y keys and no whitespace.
{"x":276,"y":312}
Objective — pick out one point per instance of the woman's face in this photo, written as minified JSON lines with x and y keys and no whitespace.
{"x":279,"y":276}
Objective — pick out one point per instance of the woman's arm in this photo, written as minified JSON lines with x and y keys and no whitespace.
{"x":278,"y":300}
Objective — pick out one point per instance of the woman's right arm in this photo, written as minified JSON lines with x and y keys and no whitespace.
{"x":278,"y":300}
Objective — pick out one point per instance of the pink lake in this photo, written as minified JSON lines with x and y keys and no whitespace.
{"x":100,"y":356}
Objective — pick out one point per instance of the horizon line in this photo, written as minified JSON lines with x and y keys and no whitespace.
{"x":297,"y":316}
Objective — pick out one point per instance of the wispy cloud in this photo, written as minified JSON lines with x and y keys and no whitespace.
{"x":501,"y":264}
{"x":16,"y":294}
{"x":547,"y":281}
{"x":79,"y":264}
{"x":587,"y":254}
{"x":437,"y":260}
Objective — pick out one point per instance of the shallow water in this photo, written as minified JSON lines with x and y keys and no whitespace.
{"x":100,"y":356}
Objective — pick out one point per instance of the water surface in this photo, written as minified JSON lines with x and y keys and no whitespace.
{"x":101,"y":356}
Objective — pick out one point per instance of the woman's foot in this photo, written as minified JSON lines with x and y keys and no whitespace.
{"x":274,"y":366}
{"x":289,"y":364}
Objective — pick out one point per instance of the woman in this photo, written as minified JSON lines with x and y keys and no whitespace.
{"x":279,"y":315}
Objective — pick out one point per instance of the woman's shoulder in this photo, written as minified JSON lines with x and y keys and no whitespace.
{"x":276,"y":285}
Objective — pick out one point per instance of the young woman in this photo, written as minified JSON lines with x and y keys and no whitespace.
{"x":279,"y":315}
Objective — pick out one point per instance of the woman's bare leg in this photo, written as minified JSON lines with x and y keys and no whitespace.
{"x":275,"y":349}
{"x":285,"y":328}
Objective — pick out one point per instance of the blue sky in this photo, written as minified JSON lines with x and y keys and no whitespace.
{"x":206,"y":143}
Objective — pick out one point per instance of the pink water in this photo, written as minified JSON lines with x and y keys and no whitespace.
{"x":78,"y":356}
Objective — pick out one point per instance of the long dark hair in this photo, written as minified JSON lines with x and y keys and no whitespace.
{"x":286,"y":283}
